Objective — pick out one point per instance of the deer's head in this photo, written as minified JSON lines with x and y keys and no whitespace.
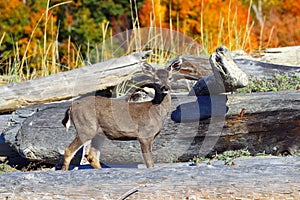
{"x":162,"y":76}
{"x":160,"y":85}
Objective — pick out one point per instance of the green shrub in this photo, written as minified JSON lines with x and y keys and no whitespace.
{"x":228,"y":156}
{"x":275,"y":83}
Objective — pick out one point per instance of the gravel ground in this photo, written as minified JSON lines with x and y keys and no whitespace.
{"x":248,"y":178}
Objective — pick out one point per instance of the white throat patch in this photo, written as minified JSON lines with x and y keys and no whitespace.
{"x":149,"y":90}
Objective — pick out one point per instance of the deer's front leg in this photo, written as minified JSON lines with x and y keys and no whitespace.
{"x":93,"y":158}
{"x":146,"y":146}
{"x":94,"y":153}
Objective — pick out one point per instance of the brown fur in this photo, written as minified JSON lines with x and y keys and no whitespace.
{"x":117,"y":119}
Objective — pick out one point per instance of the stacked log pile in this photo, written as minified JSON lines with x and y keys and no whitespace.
{"x":261,"y":122}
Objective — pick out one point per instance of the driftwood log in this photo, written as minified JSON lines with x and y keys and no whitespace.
{"x":249,"y":123}
{"x":249,"y":178}
{"x":66,"y":85}
{"x":226,"y":77}
{"x":270,"y":124}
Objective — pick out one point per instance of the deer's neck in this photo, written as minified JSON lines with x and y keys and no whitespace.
{"x":159,"y":95}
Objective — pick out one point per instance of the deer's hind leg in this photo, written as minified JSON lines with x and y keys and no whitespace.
{"x":94,"y":153}
{"x":70,"y":151}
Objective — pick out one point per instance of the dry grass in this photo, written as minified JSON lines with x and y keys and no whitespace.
{"x":165,"y":44}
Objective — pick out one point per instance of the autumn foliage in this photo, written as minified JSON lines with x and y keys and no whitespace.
{"x":39,"y":38}
{"x":238,"y":24}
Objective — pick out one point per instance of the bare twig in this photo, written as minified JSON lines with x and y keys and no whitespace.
{"x":129,"y":193}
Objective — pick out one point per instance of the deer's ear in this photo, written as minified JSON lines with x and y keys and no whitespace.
{"x":148,"y":69}
{"x":175,"y":64}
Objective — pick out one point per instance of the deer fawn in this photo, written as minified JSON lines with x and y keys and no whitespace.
{"x":118,"y":119}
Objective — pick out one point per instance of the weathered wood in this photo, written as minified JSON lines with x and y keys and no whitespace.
{"x":249,"y":178}
{"x":66,"y":85}
{"x":226,"y":77}
{"x":4,"y":119}
{"x":270,"y":124}
{"x":266,"y":63}
{"x":193,"y":67}
{"x":281,"y":56}
{"x":8,"y":154}
{"x":258,"y":69}
{"x":253,"y":68}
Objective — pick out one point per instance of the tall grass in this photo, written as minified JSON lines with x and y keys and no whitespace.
{"x":231,"y":33}
{"x":45,"y":58}
{"x":165,"y":44}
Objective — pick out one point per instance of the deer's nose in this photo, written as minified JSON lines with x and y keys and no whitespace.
{"x":165,"y":88}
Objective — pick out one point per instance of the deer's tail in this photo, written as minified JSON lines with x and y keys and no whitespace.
{"x":67,"y":121}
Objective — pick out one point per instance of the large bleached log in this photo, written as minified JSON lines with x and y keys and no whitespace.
{"x":269,"y":124}
{"x":254,"y":178}
{"x":66,"y":85}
